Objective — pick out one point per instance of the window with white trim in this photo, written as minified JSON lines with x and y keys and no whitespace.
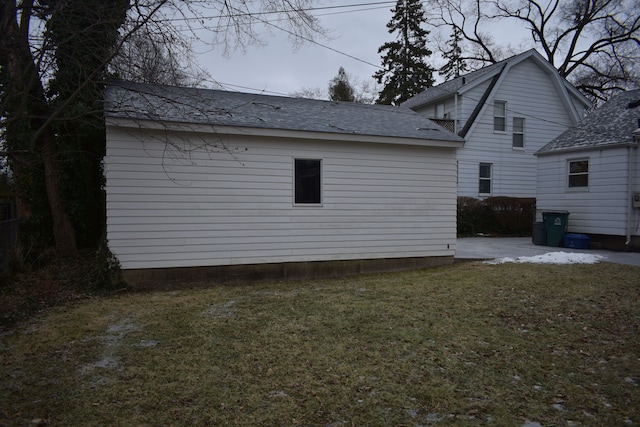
{"x":518,"y":132}
{"x":439,"y":111}
{"x":499,"y":116}
{"x":484,"y":180}
{"x":578,"y":173}
{"x":307,"y":181}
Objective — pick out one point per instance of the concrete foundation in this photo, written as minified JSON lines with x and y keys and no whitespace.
{"x":188,"y":277}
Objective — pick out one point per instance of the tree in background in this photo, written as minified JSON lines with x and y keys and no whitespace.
{"x":404,"y":71}
{"x":456,"y":65}
{"x":54,"y":58}
{"x":340,"y":88}
{"x":595,"y":44}
{"x":343,"y":87}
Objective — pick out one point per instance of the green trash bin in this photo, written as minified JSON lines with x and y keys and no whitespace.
{"x":555,"y":225}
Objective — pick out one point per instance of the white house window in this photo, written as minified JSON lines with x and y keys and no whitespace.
{"x":308,"y":181}
{"x":499,"y":116}
{"x":439,"y":111}
{"x":518,"y":132}
{"x":578,"y":176}
{"x":484,"y":186}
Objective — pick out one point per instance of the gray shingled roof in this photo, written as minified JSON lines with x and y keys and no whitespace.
{"x":169,"y":104}
{"x":450,"y":87}
{"x":611,"y":124}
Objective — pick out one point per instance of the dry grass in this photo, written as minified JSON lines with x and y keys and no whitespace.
{"x":468,"y":344}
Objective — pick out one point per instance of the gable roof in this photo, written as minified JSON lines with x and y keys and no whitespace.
{"x":613,"y":124}
{"x":178,"y":105}
{"x":495,"y":73}
{"x":450,"y":87}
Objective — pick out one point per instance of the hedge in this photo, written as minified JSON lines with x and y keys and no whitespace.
{"x":499,"y":216}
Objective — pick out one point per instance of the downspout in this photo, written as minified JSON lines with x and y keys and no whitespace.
{"x":455,"y":108}
{"x":631,"y":150}
{"x":627,"y":243}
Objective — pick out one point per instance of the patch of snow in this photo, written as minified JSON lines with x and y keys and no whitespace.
{"x":552,"y":258}
{"x":107,"y":362}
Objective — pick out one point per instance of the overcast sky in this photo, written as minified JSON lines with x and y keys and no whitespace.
{"x":279,"y":68}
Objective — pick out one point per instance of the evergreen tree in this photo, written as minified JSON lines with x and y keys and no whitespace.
{"x":404,"y":71}
{"x":340,"y":88}
{"x":455,"y":65}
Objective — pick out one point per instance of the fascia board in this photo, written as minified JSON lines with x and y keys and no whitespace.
{"x":278,"y":133}
{"x":561,"y":151}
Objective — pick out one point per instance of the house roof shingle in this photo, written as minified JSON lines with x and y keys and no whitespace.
{"x":459,"y":84}
{"x":450,"y":87}
{"x":614,"y":123}
{"x":168,"y":104}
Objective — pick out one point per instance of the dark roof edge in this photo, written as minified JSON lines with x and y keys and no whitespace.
{"x":563,"y":150}
{"x":476,"y":111}
{"x":225,"y":129}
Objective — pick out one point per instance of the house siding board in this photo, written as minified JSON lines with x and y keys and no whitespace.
{"x":600,"y":210}
{"x":218,"y":207}
{"x":529,"y":93}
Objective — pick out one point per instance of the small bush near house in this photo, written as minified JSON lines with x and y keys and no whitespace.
{"x":29,"y":288}
{"x":500,"y":216}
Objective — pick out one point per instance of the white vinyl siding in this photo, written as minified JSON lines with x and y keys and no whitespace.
{"x":233,"y":205}
{"x":601,"y":210}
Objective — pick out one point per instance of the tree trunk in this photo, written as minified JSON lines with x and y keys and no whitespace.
{"x":27,"y":101}
{"x":63,"y":231}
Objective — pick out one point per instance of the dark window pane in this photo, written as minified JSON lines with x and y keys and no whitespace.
{"x":581,"y":166}
{"x":518,"y":140}
{"x":518,"y":125}
{"x":307,"y":181}
{"x":579,"y":173}
{"x":485,"y":170}
{"x":579,"y":180}
{"x":485,"y":186}
{"x":484,"y":183}
{"x":499,"y":116}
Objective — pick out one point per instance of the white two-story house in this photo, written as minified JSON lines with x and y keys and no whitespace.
{"x":506,"y":112}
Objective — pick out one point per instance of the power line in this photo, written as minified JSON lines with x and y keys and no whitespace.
{"x":241,"y":13}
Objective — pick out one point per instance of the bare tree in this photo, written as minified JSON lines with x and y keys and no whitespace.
{"x":54,"y":56}
{"x":162,"y":58}
{"x":593,"y":43}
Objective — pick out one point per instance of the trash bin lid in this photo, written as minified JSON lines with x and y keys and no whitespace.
{"x":555,"y":212}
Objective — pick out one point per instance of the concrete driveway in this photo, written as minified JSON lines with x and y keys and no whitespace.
{"x":502,"y":247}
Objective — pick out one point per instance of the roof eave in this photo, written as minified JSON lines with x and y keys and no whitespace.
{"x":455,"y":142}
{"x":564,"y":150}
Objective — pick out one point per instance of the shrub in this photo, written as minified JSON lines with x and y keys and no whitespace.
{"x":501,"y":216}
